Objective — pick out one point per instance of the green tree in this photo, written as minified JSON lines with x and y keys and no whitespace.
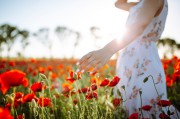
{"x":23,"y":37}
{"x":9,"y":33}
{"x":170,"y":43}
{"x":2,"y":40}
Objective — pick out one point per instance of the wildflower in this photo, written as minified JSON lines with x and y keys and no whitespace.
{"x":91,"y":95}
{"x":164,"y":103}
{"x":93,"y":87}
{"x":8,"y":105}
{"x":12,"y":78}
{"x":5,"y":114}
{"x":177,"y":69}
{"x":146,"y":108}
{"x":44,"y":102}
{"x":114,"y":82}
{"x":32,"y":60}
{"x":83,"y":90}
{"x":50,"y":68}
{"x":134,"y":116}
{"x":53,"y":76}
{"x":28,"y":97}
{"x":163,"y":116}
{"x":66,"y":88}
{"x":116,"y":102}
{"x":41,"y":70}
{"x":104,"y":82}
{"x":20,"y":117}
{"x":73,"y":77}
{"x":18,"y":97}
{"x":34,"y":73}
{"x":11,"y":63}
{"x":38,"y":86}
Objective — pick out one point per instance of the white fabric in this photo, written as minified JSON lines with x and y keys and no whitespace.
{"x":139,"y":60}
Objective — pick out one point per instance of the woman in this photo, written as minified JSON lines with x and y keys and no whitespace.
{"x":139,"y":56}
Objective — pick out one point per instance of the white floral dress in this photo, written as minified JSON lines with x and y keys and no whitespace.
{"x":139,"y":60}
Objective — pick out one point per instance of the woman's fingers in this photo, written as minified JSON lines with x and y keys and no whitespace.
{"x":87,"y":64}
{"x":91,"y":65}
{"x":99,"y":65}
{"x":84,"y":58}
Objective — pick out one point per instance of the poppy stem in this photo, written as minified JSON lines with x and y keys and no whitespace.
{"x":156,"y":92}
{"x":12,"y":106}
{"x":140,"y":93}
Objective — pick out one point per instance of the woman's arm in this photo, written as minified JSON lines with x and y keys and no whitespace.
{"x":134,"y":29}
{"x":124,"y":5}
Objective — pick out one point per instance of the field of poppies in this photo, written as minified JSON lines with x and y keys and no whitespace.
{"x":51,"y":89}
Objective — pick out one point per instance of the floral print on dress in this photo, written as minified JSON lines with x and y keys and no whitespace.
{"x":152,"y":36}
{"x":141,"y":67}
{"x":128,"y":74}
{"x":159,"y":79}
{"x":135,"y":92}
{"x":128,"y":52}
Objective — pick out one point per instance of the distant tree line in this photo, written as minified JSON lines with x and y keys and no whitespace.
{"x":9,"y":34}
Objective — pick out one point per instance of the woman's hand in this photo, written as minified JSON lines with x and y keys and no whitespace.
{"x":95,"y":59}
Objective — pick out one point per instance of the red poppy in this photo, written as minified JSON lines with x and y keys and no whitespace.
{"x":28,"y":97}
{"x":116,"y":102}
{"x":83,"y":90}
{"x":72,"y":77}
{"x":34,"y":73}
{"x":169,"y":81}
{"x":114,"y":82}
{"x":50,"y":68}
{"x":30,"y":69}
{"x":18,"y":97}
{"x":146,"y":108}
{"x":20,"y":117}
{"x":38,"y":86}
{"x":66,"y":88}
{"x":41,"y":70}
{"x":2,"y":66}
{"x":54,"y":76}
{"x":71,"y":80}
{"x":91,"y":95}
{"x":163,"y":116}
{"x":177,"y":69}
{"x":93,"y":87}
{"x":44,"y":102}
{"x":5,"y":114}
{"x":79,"y":75}
{"x":134,"y":116}
{"x":33,"y":60}
{"x":12,"y":78}
{"x":164,"y":103}
{"x":11,"y":63}
{"x":104,"y":82}
{"x":8,"y":105}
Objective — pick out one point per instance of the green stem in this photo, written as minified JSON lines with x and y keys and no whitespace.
{"x":141,"y":103}
{"x":156,"y":92}
{"x":154,"y":86}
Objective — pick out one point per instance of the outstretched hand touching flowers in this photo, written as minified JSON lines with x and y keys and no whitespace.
{"x":96,"y":59}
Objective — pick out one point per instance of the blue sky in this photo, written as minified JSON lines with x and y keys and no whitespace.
{"x":79,"y":15}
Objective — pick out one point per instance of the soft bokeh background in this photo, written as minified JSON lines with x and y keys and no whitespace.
{"x":71,"y":28}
